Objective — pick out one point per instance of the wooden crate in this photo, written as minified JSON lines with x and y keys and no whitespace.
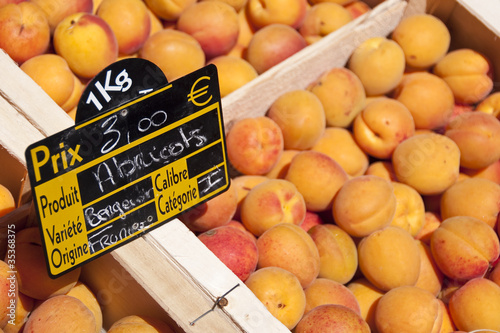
{"x":168,"y":273}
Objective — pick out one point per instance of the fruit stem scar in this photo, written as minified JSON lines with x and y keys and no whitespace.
{"x":220,"y":301}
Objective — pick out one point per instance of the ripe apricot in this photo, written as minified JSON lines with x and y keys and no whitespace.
{"x":475,"y":305}
{"x":337,"y":252}
{"x":214,"y":24}
{"x":213,"y":213}
{"x":34,"y":280}
{"x":381,"y":126}
{"x":321,"y":19}
{"x":281,"y":292}
{"x":339,"y":143}
{"x":430,"y":163}
{"x":270,"y":203}
{"x":272,"y":44}
{"x":312,"y":219}
{"x":368,"y":297}
{"x":468,"y":73}
{"x":430,"y":277}
{"x":262,"y":13}
{"x":87,"y":296}
{"x":491,"y":172}
{"x":78,"y":33}
{"x":428,"y":98}
{"x":364,"y":204}
{"x":167,"y":9}
{"x":476,"y":197}
{"x":233,"y":247}
{"x":243,"y":184}
{"x":24,"y":307}
{"x":384,"y":254}
{"x":135,"y":323}
{"x":254,"y":145}
{"x":464,"y":247}
{"x":379,"y":62}
{"x":383,"y":169}
{"x":331,"y":318}
{"x":317,"y":177}
{"x":477,"y":135}
{"x":175,"y":52}
{"x":432,"y":221}
{"x":408,"y":309}
{"x":290,"y":247}
{"x":279,"y":170}
{"x":490,"y":105}
{"x":326,"y":291}
{"x":24,"y":30}
{"x":233,"y":73}
{"x":130,"y":22}
{"x":424,"y":38}
{"x":63,"y":314}
{"x":52,"y":73}
{"x":342,"y":95}
{"x":301,"y":117}
{"x":410,"y":209}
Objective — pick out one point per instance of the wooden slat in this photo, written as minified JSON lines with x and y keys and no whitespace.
{"x":23,"y":94}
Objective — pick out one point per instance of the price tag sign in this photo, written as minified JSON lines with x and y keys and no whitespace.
{"x":125,"y":170}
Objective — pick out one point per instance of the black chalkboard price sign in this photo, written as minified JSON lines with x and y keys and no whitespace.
{"x":129,"y":164}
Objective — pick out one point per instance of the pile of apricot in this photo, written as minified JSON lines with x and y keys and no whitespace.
{"x":369,"y":199}
{"x":374,"y":193}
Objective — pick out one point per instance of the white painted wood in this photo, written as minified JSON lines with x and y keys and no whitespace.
{"x":488,"y":11}
{"x":16,"y":132}
{"x":19,"y":90}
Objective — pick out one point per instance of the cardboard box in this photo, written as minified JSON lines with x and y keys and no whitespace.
{"x":168,"y":273}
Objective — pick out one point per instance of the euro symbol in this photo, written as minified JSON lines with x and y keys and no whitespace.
{"x":195,"y":94}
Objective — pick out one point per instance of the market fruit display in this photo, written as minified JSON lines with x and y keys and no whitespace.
{"x":369,"y":199}
{"x":422,"y":215}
